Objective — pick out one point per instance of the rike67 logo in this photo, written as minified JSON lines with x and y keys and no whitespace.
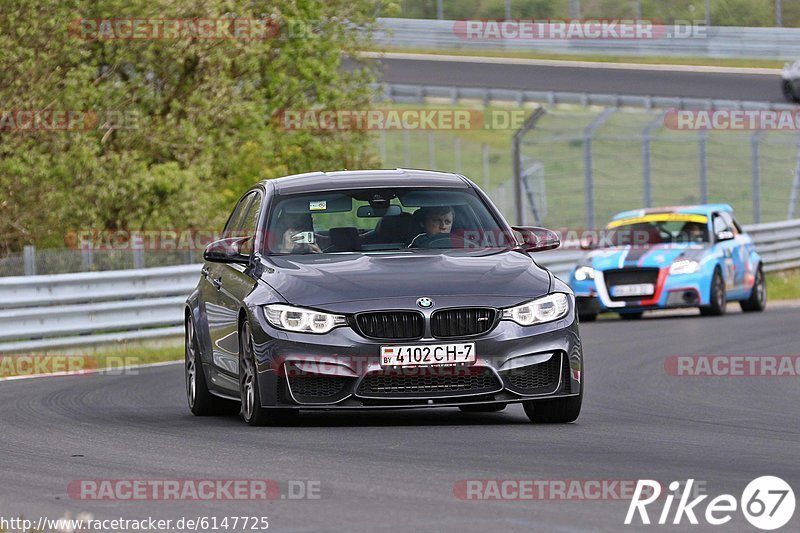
{"x":767,"y":502}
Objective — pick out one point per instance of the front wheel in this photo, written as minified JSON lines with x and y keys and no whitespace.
{"x":252,"y":411}
{"x":718,"y":297}
{"x":758,"y":295}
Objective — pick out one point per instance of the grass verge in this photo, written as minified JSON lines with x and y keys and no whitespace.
{"x":111,"y":357}
{"x":592,"y":58}
{"x":784,"y":285}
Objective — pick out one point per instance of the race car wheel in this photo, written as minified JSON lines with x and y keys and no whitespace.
{"x":718,"y":298}
{"x":252,"y":411}
{"x":554,"y":410}
{"x":485,"y":408}
{"x":201,"y":402}
{"x":631,"y":316}
{"x":758,"y":295}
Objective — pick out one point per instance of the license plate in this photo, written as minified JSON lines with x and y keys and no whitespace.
{"x":637,"y":289}
{"x":428,"y":354}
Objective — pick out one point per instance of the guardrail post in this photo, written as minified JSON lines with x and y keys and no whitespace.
{"x":756,"y":175}
{"x":138,"y":258}
{"x":703,"y":166}
{"x":29,"y":259}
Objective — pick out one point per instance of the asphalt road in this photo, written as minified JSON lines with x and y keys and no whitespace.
{"x":387,"y":471}
{"x":493,"y":73}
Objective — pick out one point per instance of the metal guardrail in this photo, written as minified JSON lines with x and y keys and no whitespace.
{"x":59,"y":311}
{"x":709,"y":42}
{"x":405,"y":93}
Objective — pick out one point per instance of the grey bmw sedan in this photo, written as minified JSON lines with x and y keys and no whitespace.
{"x":379,"y":289}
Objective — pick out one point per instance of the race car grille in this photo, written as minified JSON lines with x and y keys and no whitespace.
{"x":434,"y":381}
{"x":462,"y":322}
{"x":629,"y":276}
{"x":316,"y":388}
{"x":540,"y":378}
{"x":391,"y":324}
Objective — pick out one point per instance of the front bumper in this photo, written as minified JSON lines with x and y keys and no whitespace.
{"x":671,"y":292}
{"x":341,"y":369}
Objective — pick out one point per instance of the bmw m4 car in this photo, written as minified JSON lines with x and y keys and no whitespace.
{"x":379,"y":289}
{"x":694,"y":256}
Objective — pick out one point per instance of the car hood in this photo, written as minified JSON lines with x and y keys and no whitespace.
{"x":656,"y":256}
{"x":315,"y":279}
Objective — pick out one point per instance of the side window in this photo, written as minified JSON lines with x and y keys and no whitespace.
{"x":720,"y":224}
{"x":237,"y":217}
{"x":732,"y":224}
{"x":250,"y":224}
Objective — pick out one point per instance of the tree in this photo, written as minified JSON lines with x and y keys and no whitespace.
{"x":168,"y":132}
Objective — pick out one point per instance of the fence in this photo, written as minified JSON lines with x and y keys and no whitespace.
{"x":708,"y":42}
{"x":59,"y":311}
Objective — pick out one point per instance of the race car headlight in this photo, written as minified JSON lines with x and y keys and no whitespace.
{"x":545,"y":309}
{"x":684,"y":266}
{"x":583,"y":273}
{"x":302,"y":320}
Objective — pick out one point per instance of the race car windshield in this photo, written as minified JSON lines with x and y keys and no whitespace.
{"x":651,"y":230}
{"x":375,"y":221}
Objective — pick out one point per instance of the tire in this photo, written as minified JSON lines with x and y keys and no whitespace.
{"x":252,"y":411}
{"x":718,"y":298}
{"x":587,"y":317}
{"x":556,"y":410}
{"x":758,"y":295}
{"x":631,"y":316}
{"x":485,"y":408}
{"x":201,"y":401}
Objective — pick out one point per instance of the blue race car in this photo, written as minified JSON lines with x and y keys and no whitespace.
{"x":668,"y":257}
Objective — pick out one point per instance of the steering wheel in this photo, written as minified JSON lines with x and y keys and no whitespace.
{"x":442,"y":240}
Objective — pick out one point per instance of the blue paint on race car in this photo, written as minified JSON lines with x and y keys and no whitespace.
{"x":687,"y":256}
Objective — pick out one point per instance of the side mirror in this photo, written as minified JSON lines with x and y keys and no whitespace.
{"x":724,"y":236}
{"x":227,"y":251}
{"x":538,"y":239}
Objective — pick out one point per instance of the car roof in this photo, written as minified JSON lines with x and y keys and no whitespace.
{"x":351,"y":179}
{"x":699,"y":209}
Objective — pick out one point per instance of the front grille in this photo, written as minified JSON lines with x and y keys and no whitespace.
{"x":462,"y":322}
{"x":391,"y":324}
{"x":629,"y":276}
{"x":541,"y":378}
{"x":317,"y":388}
{"x":433,"y":381}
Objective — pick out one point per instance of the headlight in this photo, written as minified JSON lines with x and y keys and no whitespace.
{"x":302,"y":320}
{"x":583,"y":273}
{"x":684,"y":266}
{"x":545,"y":309}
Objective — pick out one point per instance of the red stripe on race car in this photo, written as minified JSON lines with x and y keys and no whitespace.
{"x":662,"y":277}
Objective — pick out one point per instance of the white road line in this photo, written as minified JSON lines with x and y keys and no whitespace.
{"x":573,"y":64}
{"x":92,"y":371}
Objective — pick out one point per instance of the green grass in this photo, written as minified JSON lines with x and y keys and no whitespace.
{"x":112,"y":357}
{"x":596,"y":58}
{"x":617,"y":162}
{"x":784,"y":285}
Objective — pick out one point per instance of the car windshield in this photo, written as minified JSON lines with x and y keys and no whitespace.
{"x":374,"y":221}
{"x":664,"y":228}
